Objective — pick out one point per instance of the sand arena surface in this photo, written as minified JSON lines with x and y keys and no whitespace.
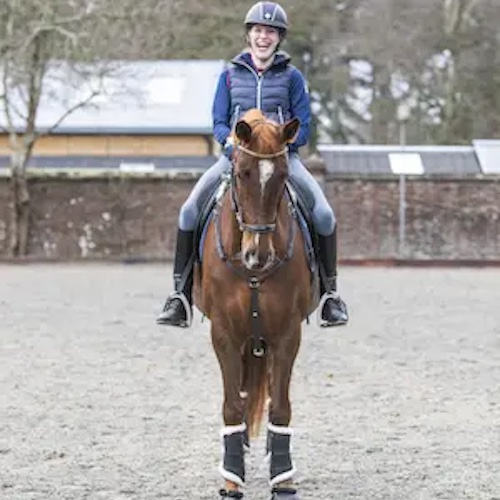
{"x":98,"y":402}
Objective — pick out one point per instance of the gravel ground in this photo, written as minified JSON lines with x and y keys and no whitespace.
{"x":97,"y":402}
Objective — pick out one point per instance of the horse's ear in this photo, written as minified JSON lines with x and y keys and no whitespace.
{"x":290,"y":130}
{"x":243,"y":131}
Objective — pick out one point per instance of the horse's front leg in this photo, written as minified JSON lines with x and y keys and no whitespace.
{"x":232,"y":467}
{"x":279,"y":432}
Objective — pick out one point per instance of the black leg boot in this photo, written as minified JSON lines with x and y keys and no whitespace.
{"x":281,"y":467}
{"x":232,"y":467}
{"x":332,"y":308}
{"x":178,"y":308}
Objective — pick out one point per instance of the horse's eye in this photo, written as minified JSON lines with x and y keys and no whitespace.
{"x":245,"y":173}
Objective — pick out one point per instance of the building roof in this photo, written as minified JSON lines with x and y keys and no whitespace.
{"x":123,"y":163}
{"x":434,"y":160}
{"x":138,"y":97}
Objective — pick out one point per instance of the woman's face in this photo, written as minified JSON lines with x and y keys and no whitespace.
{"x":263,"y":41}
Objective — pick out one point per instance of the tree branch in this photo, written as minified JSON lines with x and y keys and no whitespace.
{"x":68,"y":112}
{"x":41,"y":30}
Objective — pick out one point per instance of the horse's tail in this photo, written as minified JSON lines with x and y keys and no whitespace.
{"x":255,"y":384}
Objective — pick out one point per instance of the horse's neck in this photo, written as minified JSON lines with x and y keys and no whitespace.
{"x":230,"y":233}
{"x":282,"y":226}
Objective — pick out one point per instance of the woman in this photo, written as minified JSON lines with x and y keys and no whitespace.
{"x":259,"y":77}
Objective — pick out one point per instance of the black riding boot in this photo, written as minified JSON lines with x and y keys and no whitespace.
{"x":333,"y":308}
{"x":178,"y":308}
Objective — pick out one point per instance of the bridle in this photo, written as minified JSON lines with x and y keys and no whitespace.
{"x":255,"y":280}
{"x":262,"y":156}
{"x":244,"y":227}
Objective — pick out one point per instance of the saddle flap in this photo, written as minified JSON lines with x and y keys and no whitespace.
{"x":206,"y":213}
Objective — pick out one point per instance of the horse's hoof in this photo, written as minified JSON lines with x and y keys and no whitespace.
{"x":284,"y":494}
{"x":231,"y":494}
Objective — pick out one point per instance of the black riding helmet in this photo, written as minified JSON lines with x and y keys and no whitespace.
{"x":267,"y":14}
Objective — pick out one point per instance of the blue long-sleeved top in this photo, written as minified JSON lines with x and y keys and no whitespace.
{"x":280,"y":92}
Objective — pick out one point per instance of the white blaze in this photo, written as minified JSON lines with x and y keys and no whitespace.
{"x":252,"y":260}
{"x":266,"y":170}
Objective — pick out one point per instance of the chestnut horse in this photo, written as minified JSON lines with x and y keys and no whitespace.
{"x":255,"y":286}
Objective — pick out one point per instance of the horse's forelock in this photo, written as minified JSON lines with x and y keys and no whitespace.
{"x":265,"y":132}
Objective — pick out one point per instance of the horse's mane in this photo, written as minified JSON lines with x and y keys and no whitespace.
{"x":254,"y":115}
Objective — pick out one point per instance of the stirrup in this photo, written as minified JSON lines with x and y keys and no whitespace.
{"x":326,"y":296}
{"x":185,"y":302}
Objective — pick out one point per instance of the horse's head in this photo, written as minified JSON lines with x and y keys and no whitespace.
{"x":260,"y":172}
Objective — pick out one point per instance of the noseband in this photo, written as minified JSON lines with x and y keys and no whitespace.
{"x":244,"y":227}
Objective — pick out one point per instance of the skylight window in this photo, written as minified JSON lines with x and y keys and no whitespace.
{"x":165,"y":90}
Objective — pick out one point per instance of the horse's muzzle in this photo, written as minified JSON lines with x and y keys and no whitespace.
{"x":257,"y":252}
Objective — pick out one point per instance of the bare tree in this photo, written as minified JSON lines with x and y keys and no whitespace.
{"x":31,"y":32}
{"x":42,"y":41}
{"x":436,"y":58}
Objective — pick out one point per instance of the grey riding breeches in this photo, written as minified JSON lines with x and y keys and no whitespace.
{"x":322,"y":213}
{"x":201,"y":191}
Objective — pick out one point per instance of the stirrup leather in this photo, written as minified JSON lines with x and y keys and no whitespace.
{"x":185,"y":302}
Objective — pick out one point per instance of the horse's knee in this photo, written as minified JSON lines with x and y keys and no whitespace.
{"x":233,"y":413}
{"x":280,"y":414}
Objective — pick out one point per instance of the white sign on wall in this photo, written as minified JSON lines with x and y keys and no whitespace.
{"x":406,"y":163}
{"x":488,"y":155}
{"x":137,"y":167}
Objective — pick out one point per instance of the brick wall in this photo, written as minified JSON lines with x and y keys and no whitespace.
{"x":446,"y":218}
{"x":126,"y":217}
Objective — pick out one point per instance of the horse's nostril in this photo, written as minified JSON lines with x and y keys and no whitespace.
{"x":250,"y":259}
